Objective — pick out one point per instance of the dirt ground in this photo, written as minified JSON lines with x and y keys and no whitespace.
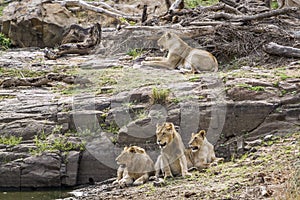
{"x":270,"y":170}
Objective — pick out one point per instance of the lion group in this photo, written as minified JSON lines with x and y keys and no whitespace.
{"x":136,"y":166}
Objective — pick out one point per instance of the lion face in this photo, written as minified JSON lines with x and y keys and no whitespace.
{"x":197,"y":140}
{"x":130,"y":154}
{"x":165,"y":41}
{"x":165,"y":134}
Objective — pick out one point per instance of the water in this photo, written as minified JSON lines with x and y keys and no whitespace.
{"x":34,"y":195}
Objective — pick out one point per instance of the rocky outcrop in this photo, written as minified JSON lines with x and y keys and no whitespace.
{"x":234,"y":108}
{"x":36,"y":23}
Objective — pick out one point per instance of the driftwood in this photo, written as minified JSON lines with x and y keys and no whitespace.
{"x":260,"y":16}
{"x":178,"y":4}
{"x":107,"y":12}
{"x":43,"y":80}
{"x":77,"y":40}
{"x":283,"y":51}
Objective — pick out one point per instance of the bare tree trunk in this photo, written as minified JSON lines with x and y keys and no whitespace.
{"x":144,"y":15}
{"x":284,"y":51}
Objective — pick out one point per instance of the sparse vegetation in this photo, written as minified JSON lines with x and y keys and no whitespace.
{"x":243,"y":177}
{"x":135,"y":52}
{"x":292,"y":191}
{"x":55,"y":142}
{"x":159,"y":96}
{"x":5,"y":42}
{"x":10,"y":140}
{"x":2,"y":97}
{"x":195,"y":3}
{"x":253,"y":88}
{"x":20,"y":73}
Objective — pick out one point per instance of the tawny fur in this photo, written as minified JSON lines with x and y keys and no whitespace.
{"x":200,"y":154}
{"x":135,"y":166}
{"x":172,"y":160}
{"x":182,"y":56}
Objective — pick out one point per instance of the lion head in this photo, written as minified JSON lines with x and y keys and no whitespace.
{"x":197,"y":140}
{"x":129,"y":155}
{"x":167,"y":40}
{"x":165,"y":134}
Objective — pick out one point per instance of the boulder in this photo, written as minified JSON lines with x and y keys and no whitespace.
{"x":10,"y":175}
{"x":34,"y":23}
{"x":71,"y":168}
{"x":92,"y":169}
{"x":41,"y":171}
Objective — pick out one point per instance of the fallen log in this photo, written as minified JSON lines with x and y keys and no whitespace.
{"x":245,"y":18}
{"x":283,"y":51}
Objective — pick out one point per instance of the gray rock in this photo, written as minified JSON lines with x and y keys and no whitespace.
{"x":91,"y":169}
{"x":10,"y":175}
{"x":41,"y":171}
{"x":72,"y":166}
{"x":140,"y":131}
{"x":36,"y":24}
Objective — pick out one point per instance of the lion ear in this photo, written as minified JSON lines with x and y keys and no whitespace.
{"x":140,"y":150}
{"x":202,"y":133}
{"x":193,"y":134}
{"x":132,"y":150}
{"x":169,"y":126}
{"x":168,"y":35}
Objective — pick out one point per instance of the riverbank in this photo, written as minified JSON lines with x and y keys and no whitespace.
{"x":270,"y":170}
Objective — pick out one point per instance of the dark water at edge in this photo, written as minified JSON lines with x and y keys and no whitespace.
{"x":34,"y":195}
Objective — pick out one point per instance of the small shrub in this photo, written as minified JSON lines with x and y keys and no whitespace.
{"x":5,"y":42}
{"x":11,"y":140}
{"x":60,"y":143}
{"x":159,"y":96}
{"x":135,"y":52}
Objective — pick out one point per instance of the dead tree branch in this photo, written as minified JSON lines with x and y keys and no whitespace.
{"x":244,"y":18}
{"x":279,"y":50}
{"x":87,"y":6}
{"x":271,"y":13}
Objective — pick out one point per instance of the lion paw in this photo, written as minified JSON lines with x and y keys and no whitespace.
{"x":137,"y":182}
{"x":187,"y":174}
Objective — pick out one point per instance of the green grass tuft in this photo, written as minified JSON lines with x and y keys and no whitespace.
{"x":159,"y":96}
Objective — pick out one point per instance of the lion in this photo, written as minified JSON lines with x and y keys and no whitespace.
{"x":172,"y":160}
{"x":200,"y":154}
{"x":135,"y":167}
{"x":182,"y":56}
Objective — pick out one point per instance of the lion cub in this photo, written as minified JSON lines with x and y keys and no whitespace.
{"x":182,"y":56}
{"x":200,"y":153}
{"x":135,"y":166}
{"x":172,"y":160}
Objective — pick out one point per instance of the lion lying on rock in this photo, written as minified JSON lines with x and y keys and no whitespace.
{"x":182,"y":56}
{"x":200,"y":154}
{"x":135,"y":167}
{"x":172,"y":160}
